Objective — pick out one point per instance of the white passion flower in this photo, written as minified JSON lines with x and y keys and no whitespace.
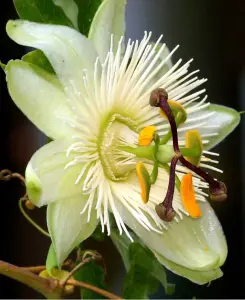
{"x":97,"y":112}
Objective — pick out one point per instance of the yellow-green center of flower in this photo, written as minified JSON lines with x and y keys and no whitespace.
{"x":116,"y":131}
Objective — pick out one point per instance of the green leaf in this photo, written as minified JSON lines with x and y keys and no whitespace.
{"x":143,"y":257}
{"x":41,"y":11}
{"x":37,"y":58}
{"x":51,"y":261}
{"x":80,"y":12}
{"x":86,"y":13}
{"x":93,"y":274}
{"x":122,"y":243}
{"x":139,"y":284}
{"x":98,"y":235}
{"x":142,"y":267}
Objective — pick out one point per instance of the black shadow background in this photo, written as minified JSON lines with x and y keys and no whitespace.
{"x":213,"y":32}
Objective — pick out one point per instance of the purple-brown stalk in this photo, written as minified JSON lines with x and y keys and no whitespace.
{"x":217,"y":190}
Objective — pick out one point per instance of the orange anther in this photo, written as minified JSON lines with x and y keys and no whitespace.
{"x":188,"y":196}
{"x":146,"y":135}
{"x":144,"y":180}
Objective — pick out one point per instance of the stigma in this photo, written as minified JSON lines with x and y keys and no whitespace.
{"x":189,"y":157}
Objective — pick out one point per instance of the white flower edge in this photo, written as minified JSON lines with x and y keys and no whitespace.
{"x":195,"y":244}
{"x":67,"y":227}
{"x":108,"y":20}
{"x":41,"y":97}
{"x":69,"y":52}
{"x":198,"y":277}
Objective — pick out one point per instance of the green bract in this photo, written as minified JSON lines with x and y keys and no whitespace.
{"x":92,"y":108}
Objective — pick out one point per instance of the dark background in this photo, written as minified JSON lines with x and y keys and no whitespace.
{"x":210,"y":31}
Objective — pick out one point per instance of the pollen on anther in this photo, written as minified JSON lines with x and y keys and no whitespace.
{"x":146,"y":135}
{"x":188,"y":196}
{"x":144,"y":180}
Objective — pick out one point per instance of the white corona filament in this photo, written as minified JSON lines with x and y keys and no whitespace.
{"x":120,"y":87}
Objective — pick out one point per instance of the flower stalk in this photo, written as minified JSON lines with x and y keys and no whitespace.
{"x":51,"y":289}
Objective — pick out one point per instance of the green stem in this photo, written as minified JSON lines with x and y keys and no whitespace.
{"x":49,"y":288}
{"x":163,"y":153}
{"x":190,"y":152}
{"x":46,"y":287}
{"x":142,"y":152}
{"x":30,"y":220}
{"x":154,"y":173}
{"x":148,"y":152}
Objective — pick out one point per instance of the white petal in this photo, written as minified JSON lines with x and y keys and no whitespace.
{"x":68,"y":51}
{"x":214,"y":122}
{"x":44,"y":172}
{"x":199,"y":277}
{"x":41,"y":98}
{"x":109,"y":19}
{"x":218,"y":125}
{"x":197,"y":244}
{"x":67,"y":226}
